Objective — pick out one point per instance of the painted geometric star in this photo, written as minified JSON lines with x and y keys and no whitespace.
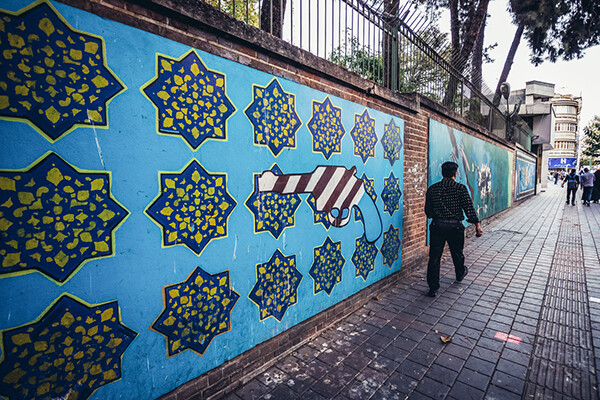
{"x":391,"y":194}
{"x":326,"y":269}
{"x":326,"y":128}
{"x":276,"y":286}
{"x":71,"y":351}
{"x":391,"y":142}
{"x":272,"y":211}
{"x":369,"y":185}
{"x":193,"y":207}
{"x":54,"y":217}
{"x":55,"y":77}
{"x":318,"y":216}
{"x":390,"y":246}
{"x":190,"y":99}
{"x":364,"y":136}
{"x":273,"y":116}
{"x":364,"y":257}
{"x":196,"y":310}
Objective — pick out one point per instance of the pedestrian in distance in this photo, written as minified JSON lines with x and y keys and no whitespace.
{"x":556,"y":177}
{"x":587,"y":183}
{"x":596,"y":191}
{"x":445,"y":203}
{"x":572,"y":181}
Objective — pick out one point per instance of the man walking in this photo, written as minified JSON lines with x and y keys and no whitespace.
{"x":572,"y":181}
{"x":587,"y":183}
{"x":445,"y":203}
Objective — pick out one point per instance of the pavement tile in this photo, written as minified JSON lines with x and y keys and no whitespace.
{"x":517,"y":357}
{"x":442,"y":374}
{"x":421,"y":356}
{"x":385,"y":364}
{"x":331,"y":357}
{"x":334,"y":380}
{"x":404,"y":343}
{"x":412,"y":334}
{"x":412,"y":369}
{"x":253,"y":390}
{"x":316,"y":369}
{"x":508,"y":382}
{"x":280,"y":392}
{"x":497,"y":393}
{"x":481,"y":366}
{"x":272,"y":377}
{"x":511,"y":368}
{"x":456,"y":350}
{"x":394,"y":353}
{"x":461,"y":391}
{"x":474,"y":379}
{"x":312,"y":395}
{"x":300,"y":383}
{"x":432,"y":389}
{"x":357,"y":361}
{"x":380,"y":340}
{"x":450,"y":362}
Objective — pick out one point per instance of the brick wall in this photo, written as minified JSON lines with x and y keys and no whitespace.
{"x":200,"y":26}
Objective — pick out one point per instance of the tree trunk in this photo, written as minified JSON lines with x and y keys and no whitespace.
{"x":390,"y":18}
{"x":508,"y":63}
{"x":461,"y":53}
{"x":271,"y":16}
{"x":477,"y":72}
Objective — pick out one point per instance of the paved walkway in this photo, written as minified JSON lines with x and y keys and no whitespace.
{"x":525,"y":322}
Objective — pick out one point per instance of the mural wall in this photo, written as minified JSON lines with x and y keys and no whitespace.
{"x":525,"y":176}
{"x":159,"y":204}
{"x":484,"y":168}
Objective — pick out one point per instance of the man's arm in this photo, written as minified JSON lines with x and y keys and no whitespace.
{"x":428,"y":205}
{"x":467,"y":206}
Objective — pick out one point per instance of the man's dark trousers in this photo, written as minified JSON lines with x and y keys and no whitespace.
{"x":440,"y":232}
{"x":571,"y":193}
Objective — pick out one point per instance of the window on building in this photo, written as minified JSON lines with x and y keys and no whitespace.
{"x":565,"y":109}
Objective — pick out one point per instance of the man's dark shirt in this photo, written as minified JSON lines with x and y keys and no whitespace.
{"x":447,"y":199}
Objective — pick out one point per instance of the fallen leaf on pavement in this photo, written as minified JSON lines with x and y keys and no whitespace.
{"x":446,"y":339}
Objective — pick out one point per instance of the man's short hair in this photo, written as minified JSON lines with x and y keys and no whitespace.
{"x":449,"y":169}
{"x":573,"y":170}
{"x":586,"y":169}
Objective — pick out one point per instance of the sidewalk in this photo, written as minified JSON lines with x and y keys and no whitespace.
{"x":525,"y":322}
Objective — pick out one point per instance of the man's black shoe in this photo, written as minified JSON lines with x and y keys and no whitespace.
{"x":431,"y":293}
{"x":460,"y":278}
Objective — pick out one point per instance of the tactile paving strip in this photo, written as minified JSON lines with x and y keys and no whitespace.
{"x":562,"y":363}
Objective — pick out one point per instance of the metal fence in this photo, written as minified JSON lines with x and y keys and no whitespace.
{"x":391,"y":45}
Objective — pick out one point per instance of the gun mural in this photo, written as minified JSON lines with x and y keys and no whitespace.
{"x":336,"y":190}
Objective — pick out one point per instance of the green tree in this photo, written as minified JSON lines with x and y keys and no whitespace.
{"x":244,"y":10}
{"x":591,"y":141}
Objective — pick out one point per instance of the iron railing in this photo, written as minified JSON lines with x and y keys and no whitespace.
{"x":391,"y":45}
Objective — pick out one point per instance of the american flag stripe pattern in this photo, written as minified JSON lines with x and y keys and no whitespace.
{"x":333,"y":187}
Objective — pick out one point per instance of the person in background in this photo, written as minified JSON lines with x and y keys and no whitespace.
{"x":596,"y":191}
{"x":572,"y":181}
{"x":587,"y":183}
{"x":556,"y":177}
{"x":445,"y":203}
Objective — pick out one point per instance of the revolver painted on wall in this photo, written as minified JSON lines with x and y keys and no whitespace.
{"x":336,"y":191}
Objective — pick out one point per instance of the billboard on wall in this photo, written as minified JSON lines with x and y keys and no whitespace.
{"x":525,"y":176}
{"x":562,"y":162}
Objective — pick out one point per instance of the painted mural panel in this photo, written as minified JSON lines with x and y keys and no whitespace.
{"x":132,"y":240}
{"x":484,"y":168}
{"x":525,"y":176}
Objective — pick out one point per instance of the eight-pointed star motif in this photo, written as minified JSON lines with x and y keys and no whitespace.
{"x":190,"y":99}
{"x":54,"y":217}
{"x":54,"y":77}
{"x":273,"y":117}
{"x":326,"y":269}
{"x":364,"y":136}
{"x":192,"y":208}
{"x":196,"y":310}
{"x":391,"y":194}
{"x":370,"y":189}
{"x":391,"y":142}
{"x":272,"y":211}
{"x":364,"y":257}
{"x":71,"y":351}
{"x":326,"y":128}
{"x":276,"y":286}
{"x":390,"y":246}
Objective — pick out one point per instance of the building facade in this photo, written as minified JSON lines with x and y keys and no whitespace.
{"x":567,"y":109}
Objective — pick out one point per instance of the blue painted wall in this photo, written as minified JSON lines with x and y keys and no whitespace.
{"x":159,"y":254}
{"x":486,"y":169}
{"x":525,"y":176}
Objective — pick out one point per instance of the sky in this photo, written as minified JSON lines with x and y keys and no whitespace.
{"x":576,"y":77}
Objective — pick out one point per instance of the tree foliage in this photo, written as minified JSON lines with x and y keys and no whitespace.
{"x":558,"y":29}
{"x":591,"y":141}
{"x":244,"y":10}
